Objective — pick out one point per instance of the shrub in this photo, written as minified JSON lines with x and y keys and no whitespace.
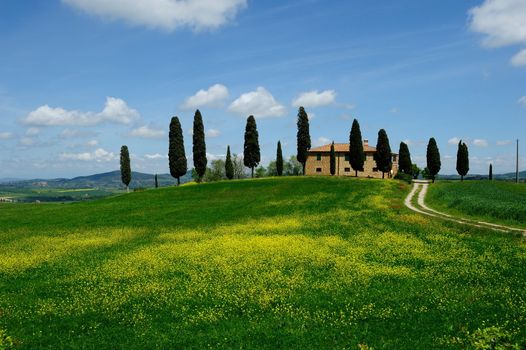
{"x":6,"y":342}
{"x":404,"y":177}
{"x":492,"y":338}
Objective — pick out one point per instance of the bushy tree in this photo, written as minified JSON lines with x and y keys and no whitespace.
{"x":303,"y":137}
{"x":404,"y":159}
{"x":156,"y":181}
{"x":251,"y":155}
{"x":462,"y":160}
{"x":272,"y":169}
{"x":490,"y":176}
{"x":433,"y":159}
{"x":216,"y":171}
{"x":199,"y":146}
{"x":261,"y":172}
{"x":383,"y":155}
{"x":356,"y":153}
{"x":239,"y":168}
{"x":125,"y":167}
{"x":176,"y":153}
{"x":279,"y":160}
{"x":332,"y":156}
{"x":292,"y":167}
{"x":415,"y":171}
{"x":229,"y":166}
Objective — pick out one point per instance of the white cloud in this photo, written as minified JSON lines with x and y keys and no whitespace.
{"x":519,"y":59}
{"x":453,"y":141}
{"x":314,"y":98}
{"x":215,"y":96}
{"x":147,"y":132}
{"x":320,"y":141}
{"x":503,"y":22}
{"x":522,"y":101}
{"x":155,"y":156}
{"x":504,"y":143}
{"x":5,"y":135}
{"x":210,"y":157}
{"x":115,"y":110}
{"x":28,"y":141}
{"x":92,"y":143}
{"x":72,"y":133}
{"x":164,"y":14}
{"x":99,"y":155}
{"x":32,"y":131}
{"x":213,"y":133}
{"x":480,"y":143}
{"x":259,"y":103}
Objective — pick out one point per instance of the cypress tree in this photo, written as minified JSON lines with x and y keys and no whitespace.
{"x":156,"y":181}
{"x":490,"y":172}
{"x":357,"y":155}
{"x":332,"y":159}
{"x":125,"y":167}
{"x":404,"y":159}
{"x":251,"y":155}
{"x":462,"y":160}
{"x":433,"y":158}
{"x":229,"y":166}
{"x":383,"y":156}
{"x":199,"y":146}
{"x":279,"y":160}
{"x":303,"y":137}
{"x":176,"y":153}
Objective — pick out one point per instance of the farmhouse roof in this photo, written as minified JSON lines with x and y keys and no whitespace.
{"x":341,"y":147}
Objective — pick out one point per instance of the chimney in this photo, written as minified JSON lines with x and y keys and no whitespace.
{"x":366,"y":142}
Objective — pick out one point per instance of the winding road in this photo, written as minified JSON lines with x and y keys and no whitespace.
{"x":420,"y":189}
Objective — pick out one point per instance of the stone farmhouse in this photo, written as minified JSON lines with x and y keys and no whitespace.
{"x":318,"y":162}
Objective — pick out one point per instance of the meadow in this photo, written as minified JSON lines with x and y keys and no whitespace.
{"x":296,"y":263}
{"x":493,"y":201}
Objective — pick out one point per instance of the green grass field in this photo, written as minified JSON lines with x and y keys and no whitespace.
{"x":496,"y":201}
{"x":302,"y":263}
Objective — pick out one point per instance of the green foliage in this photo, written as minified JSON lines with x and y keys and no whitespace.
{"x":199,"y":146}
{"x":6,"y":342}
{"x":251,"y":155}
{"x":383,"y":155}
{"x":490,"y":175}
{"x":279,"y":160}
{"x":216,"y":171}
{"x":404,"y":159}
{"x":499,"y":201}
{"x":404,"y":177}
{"x":229,"y":166}
{"x":415,"y":171}
{"x":290,"y":262}
{"x":176,"y":153}
{"x":293,"y":167}
{"x":125,"y":166}
{"x":303,"y":137}
{"x":156,"y":181}
{"x":261,"y":172}
{"x":433,"y":159}
{"x":462,"y":160}
{"x":357,"y":155}
{"x":239,"y":167}
{"x":426,"y":174}
{"x":493,"y":338}
{"x":332,"y":160}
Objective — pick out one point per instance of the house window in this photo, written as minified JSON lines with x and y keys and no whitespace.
{"x":318,"y":156}
{"x":375,"y":170}
{"x":346,"y":157}
{"x":318,"y":170}
{"x":394,"y":158}
{"x":347,"y":170}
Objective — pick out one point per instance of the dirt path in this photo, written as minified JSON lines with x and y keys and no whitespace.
{"x":421,"y":188}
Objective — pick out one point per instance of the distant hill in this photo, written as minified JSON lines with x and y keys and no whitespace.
{"x":505,"y":177}
{"x":110,"y":180}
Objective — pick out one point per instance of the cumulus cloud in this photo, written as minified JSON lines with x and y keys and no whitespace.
{"x":215,"y":96}
{"x":92,"y":143}
{"x":6,"y":135}
{"x":522,"y":101}
{"x":115,"y":110}
{"x":320,"y":141}
{"x":259,"y":103}
{"x":155,"y":156}
{"x":147,"y":132}
{"x":480,"y":143}
{"x":164,"y":14}
{"x":99,"y":155}
{"x":72,"y":133}
{"x":213,"y":133}
{"x":32,"y":131}
{"x":314,"y":98}
{"x":503,"y":23}
{"x":504,"y":143}
{"x":453,"y":141}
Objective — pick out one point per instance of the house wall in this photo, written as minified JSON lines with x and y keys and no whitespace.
{"x":342,"y":165}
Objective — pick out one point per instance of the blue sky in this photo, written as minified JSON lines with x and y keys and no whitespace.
{"x":80,"y":78}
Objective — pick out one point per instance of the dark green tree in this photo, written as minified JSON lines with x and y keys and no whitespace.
{"x":229,"y":166}
{"x":490,"y":172}
{"x":404,"y":159}
{"x":433,"y":159}
{"x":279,"y":160}
{"x":357,"y":155}
{"x":125,"y":167}
{"x":415,"y":171}
{"x":199,"y":146}
{"x":303,"y":137}
{"x":251,"y":155}
{"x":332,"y":159}
{"x":156,"y":181}
{"x":176,"y":153}
{"x":383,"y":155}
{"x":462,"y":160}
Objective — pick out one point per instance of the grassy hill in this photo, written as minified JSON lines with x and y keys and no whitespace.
{"x":303,"y":263}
